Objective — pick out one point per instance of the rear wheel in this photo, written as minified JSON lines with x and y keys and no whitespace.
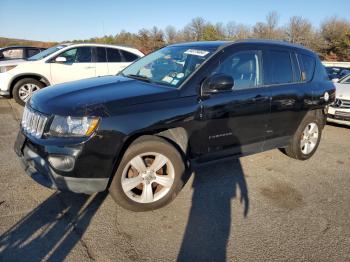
{"x":306,"y":139}
{"x":149,"y":175}
{"x":24,"y":89}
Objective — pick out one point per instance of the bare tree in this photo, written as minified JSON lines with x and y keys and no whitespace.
{"x":170,"y":34}
{"x":196,"y":28}
{"x":269,"y":29}
{"x":237,"y":31}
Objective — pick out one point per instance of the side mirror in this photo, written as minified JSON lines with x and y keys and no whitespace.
{"x":217,"y":83}
{"x":1,"y":55}
{"x":335,"y":80}
{"x":61,"y":59}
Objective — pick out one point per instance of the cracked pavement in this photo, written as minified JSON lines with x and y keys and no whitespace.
{"x":264,"y":207}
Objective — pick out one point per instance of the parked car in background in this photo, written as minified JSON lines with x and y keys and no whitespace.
{"x":335,"y":72}
{"x":19,"y":52}
{"x":339,"y":111}
{"x":136,"y":134}
{"x":63,"y":63}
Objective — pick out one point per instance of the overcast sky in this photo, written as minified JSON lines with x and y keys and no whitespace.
{"x":80,"y":19}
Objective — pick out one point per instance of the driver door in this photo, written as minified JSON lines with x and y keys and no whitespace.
{"x":236,"y":120}
{"x":78,"y":66}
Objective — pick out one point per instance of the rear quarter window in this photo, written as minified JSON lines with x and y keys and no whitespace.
{"x":128,"y":57}
{"x":308,"y":67}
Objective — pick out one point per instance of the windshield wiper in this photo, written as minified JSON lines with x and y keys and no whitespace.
{"x":139,"y":77}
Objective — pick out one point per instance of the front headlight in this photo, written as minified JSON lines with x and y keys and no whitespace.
{"x":63,"y":126}
{"x":4,"y":69}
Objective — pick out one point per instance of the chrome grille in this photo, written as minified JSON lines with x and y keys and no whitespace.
{"x":341,"y":103}
{"x":33,"y":123}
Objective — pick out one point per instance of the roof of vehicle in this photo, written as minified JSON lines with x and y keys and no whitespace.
{"x":217,"y":44}
{"x":97,"y":44}
{"x":21,"y":46}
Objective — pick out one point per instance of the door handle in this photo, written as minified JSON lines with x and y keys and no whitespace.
{"x":260,"y":98}
{"x":89,"y":67}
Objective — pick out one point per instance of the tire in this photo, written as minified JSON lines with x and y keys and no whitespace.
{"x":148,"y":149}
{"x":295,"y":149}
{"x":28,"y":85}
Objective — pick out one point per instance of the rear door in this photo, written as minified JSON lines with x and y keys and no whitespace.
{"x":290,"y":96}
{"x":79,"y":65}
{"x":236,"y":120}
{"x":101,"y":61}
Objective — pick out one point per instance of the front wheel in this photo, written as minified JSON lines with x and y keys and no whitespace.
{"x":148,"y":176}
{"x":24,"y":89}
{"x":306,"y":139}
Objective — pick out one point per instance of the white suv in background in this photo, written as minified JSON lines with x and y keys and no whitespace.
{"x":339,"y":111}
{"x":63,"y":63}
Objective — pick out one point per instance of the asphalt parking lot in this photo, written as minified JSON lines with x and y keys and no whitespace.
{"x":264,"y":207}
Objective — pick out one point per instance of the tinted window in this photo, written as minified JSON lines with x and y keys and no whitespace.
{"x":308,"y":65}
{"x":280,"y":68}
{"x":78,"y":55}
{"x":13,"y":53}
{"x":128,"y":57}
{"x":113,"y":55}
{"x":101,"y":54}
{"x":83,"y":55}
{"x":32,"y":51}
{"x":244,"y":67}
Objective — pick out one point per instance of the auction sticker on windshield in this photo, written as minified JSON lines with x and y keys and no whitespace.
{"x":196,"y":52}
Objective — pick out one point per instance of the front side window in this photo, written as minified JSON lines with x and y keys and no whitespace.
{"x":244,"y":67}
{"x":279,"y":68}
{"x":78,"y":55}
{"x":168,"y":66}
{"x":16,"y":53}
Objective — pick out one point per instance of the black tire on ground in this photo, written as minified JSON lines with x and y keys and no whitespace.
{"x":15,"y":91}
{"x":143,"y":145}
{"x":294,"y":150}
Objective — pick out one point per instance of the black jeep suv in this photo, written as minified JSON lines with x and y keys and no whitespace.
{"x":137,"y":133}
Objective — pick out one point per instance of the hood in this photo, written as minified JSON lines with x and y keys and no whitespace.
{"x":12,"y":62}
{"x":342,"y":91}
{"x":97,"y":96}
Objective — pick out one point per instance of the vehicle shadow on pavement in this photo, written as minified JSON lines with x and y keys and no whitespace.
{"x":52,"y":229}
{"x":209,"y":223}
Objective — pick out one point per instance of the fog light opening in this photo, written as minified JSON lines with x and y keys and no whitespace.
{"x":62,"y":163}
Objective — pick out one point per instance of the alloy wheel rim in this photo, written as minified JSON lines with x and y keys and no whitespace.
{"x":26,"y":91}
{"x":309,"y":138}
{"x":148,"y":177}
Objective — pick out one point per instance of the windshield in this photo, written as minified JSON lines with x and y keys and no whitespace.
{"x":46,"y":52}
{"x":168,"y":66}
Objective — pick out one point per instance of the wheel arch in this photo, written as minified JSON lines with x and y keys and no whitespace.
{"x":37,"y":77}
{"x":177,"y":136}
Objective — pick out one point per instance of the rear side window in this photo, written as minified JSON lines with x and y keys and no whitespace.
{"x":308,"y":67}
{"x":113,"y":55}
{"x":128,"y":57}
{"x":101,"y":55}
{"x":279,"y":68}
